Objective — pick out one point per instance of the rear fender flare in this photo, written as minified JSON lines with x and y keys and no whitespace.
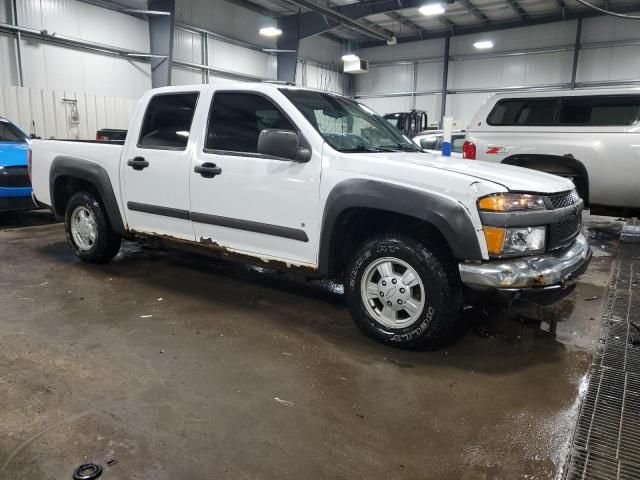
{"x":93,"y":173}
{"x":568,"y":160}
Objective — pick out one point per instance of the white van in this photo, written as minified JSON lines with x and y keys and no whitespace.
{"x":590,"y":136}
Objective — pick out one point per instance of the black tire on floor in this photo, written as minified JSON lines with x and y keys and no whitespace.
{"x":107,"y":242}
{"x":442,"y":308}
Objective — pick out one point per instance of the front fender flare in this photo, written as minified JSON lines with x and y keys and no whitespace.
{"x":450,"y":218}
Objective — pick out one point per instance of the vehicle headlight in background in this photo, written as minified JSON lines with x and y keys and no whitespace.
{"x":511,"y":202}
{"x":510,"y":241}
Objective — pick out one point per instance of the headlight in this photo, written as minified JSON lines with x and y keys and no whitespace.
{"x":511,"y":202}
{"x":510,"y":241}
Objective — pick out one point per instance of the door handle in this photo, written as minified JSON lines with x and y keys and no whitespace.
{"x":138,"y":163}
{"x":208,"y":170}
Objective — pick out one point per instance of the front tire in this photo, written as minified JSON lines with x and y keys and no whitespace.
{"x":401,"y":293}
{"x":88,"y":230}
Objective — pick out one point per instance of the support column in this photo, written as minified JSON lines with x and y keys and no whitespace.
{"x":445,"y":78}
{"x":161,"y":42}
{"x":576,"y":53}
{"x":414,"y":84}
{"x":288,"y":62}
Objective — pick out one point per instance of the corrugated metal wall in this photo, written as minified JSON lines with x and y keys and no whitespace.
{"x":469,"y":71}
{"x":48,"y":112}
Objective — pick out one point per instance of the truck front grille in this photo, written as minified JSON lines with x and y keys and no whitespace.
{"x":562,"y":233}
{"x":564,"y":199}
{"x":14,"y":177}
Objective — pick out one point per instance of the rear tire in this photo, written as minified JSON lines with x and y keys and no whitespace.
{"x":402,"y":293}
{"x":88,"y":229}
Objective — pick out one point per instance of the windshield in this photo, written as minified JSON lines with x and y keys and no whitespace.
{"x":10,"y":133}
{"x":348,"y":126}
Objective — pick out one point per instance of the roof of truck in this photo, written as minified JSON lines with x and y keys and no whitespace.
{"x":568,"y":93}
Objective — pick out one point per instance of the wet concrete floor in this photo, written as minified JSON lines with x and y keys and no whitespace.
{"x":178,"y":366}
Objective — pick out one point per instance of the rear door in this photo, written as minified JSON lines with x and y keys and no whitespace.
{"x":156,"y":167}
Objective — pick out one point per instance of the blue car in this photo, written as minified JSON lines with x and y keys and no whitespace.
{"x":15,"y":186}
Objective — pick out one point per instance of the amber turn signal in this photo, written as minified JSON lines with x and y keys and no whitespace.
{"x":494,"y":237}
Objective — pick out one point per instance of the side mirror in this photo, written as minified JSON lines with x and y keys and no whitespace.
{"x":33,"y":136}
{"x":283,"y":144}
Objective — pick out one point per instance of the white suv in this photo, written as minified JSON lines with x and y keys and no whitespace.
{"x":589,"y":136}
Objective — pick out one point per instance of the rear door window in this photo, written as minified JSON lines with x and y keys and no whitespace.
{"x":167,"y":121}
{"x":602,"y":110}
{"x":524,"y":112}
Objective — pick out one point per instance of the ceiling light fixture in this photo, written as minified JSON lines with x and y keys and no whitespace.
{"x":431,"y":9}
{"x":483,"y":44}
{"x":270,"y":31}
{"x":350,"y":57}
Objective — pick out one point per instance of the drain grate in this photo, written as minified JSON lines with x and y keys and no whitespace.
{"x":606,"y":443}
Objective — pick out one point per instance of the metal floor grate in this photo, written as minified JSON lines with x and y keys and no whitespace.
{"x":606,"y":443}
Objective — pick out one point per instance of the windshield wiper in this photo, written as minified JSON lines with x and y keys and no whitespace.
{"x":405,"y":147}
{"x":364,"y":148}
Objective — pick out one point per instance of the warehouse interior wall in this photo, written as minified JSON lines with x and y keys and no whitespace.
{"x":536,"y":57}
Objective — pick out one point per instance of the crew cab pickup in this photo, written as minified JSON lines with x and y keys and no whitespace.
{"x":314,"y":182}
{"x":589,"y":136}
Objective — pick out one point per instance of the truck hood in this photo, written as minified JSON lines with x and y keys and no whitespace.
{"x":516,"y":179}
{"x":13,"y":154}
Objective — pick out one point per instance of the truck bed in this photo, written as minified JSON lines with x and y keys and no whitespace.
{"x":44,"y":152}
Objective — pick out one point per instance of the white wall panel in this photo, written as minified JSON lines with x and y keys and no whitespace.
{"x":615,"y":63}
{"x":5,"y":11}
{"x":404,"y":51}
{"x":462,"y":107}
{"x":387,"y":104}
{"x":187,"y":46}
{"x":537,"y":36}
{"x":396,"y":78}
{"x":606,"y":28}
{"x":321,"y":77}
{"x":498,"y":72}
{"x":8,"y":66}
{"x":430,"y":104}
{"x":185,"y":76}
{"x":51,"y":114}
{"x":80,"y":20}
{"x":429,"y":76}
{"x":54,"y":67}
{"x":234,"y":58}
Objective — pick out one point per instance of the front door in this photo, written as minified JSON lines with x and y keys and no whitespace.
{"x":254,"y":204}
{"x":157,"y":167}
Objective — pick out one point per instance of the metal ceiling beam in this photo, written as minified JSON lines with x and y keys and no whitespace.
{"x":404,"y":21}
{"x":323,"y":16}
{"x":447,"y":23}
{"x":503,"y":25}
{"x":475,"y":11}
{"x":518,"y":9}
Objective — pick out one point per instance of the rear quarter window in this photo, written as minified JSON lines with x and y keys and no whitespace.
{"x":593,"y":110}
{"x":617,"y":110}
{"x":167,"y":121}
{"x":524,"y":112}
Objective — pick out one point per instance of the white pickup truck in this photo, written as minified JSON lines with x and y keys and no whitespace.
{"x":589,"y":136}
{"x":317,"y":183}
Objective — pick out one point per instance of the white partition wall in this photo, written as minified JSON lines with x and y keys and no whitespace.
{"x":535,"y":57}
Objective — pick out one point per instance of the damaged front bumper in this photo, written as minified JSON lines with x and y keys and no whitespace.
{"x":555,"y":271}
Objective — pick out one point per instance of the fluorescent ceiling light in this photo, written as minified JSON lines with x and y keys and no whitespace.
{"x":270,"y":31}
{"x":483,"y":44}
{"x":350,"y":57}
{"x":432,"y":9}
